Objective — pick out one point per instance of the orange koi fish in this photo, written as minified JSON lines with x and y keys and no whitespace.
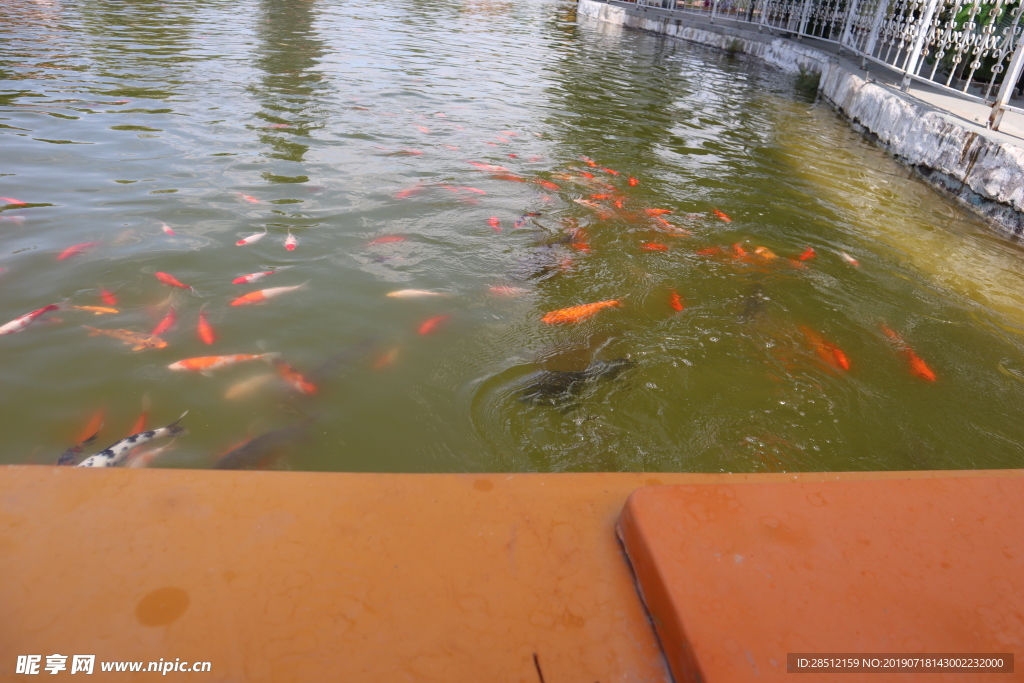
{"x":488,"y":167}
{"x":495,"y":223}
{"x":657,"y":212}
{"x":580,"y":246}
{"x":619,"y":203}
{"x":505,"y":140}
{"x":710,"y":251}
{"x":165,"y":324}
{"x":548,"y":185}
{"x":808,"y":254}
{"x":429,"y":325}
{"x":738,"y":250}
{"x":765,"y":253}
{"x":98,"y":310}
{"x":108,"y":297}
{"x":511,"y":134}
{"x":136,"y":340}
{"x":509,"y":176}
{"x":140,"y":424}
{"x":471,"y":189}
{"x":672,"y":228}
{"x":721,"y":215}
{"x":409,"y":191}
{"x":654,"y":246}
{"x":207,"y":364}
{"x":675,"y":301}
{"x":610,"y":171}
{"x":205,"y":329}
{"x":386,"y":240}
{"x":513,"y":156}
{"x":251,"y":239}
{"x":291,"y":242}
{"x":915,"y":363}
{"x":633,"y":181}
{"x":76,"y":249}
{"x":251,"y":200}
{"x":171,"y":281}
{"x":167,"y":230}
{"x":251,"y":277}
{"x":294,"y":378}
{"x":600,"y":196}
{"x":828,"y":352}
{"x":263,"y":294}
{"x":11,"y":200}
{"x":94,"y":425}
{"x":588,"y":161}
{"x":586,"y":175}
{"x":575,"y":314}
{"x":20,"y":323}
{"x":387,"y":360}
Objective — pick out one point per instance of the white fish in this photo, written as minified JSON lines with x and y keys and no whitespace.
{"x":166,"y":228}
{"x":414,"y":293}
{"x":255,"y":237}
{"x":252,"y":277}
{"x":849,"y":259}
{"x":18,"y":324}
{"x":113,"y":456}
{"x":291,"y":241}
{"x":248,"y":386}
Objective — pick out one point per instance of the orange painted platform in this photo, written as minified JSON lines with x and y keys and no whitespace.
{"x":737,"y":576}
{"x":306,"y":576}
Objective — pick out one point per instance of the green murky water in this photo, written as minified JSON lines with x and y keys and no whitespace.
{"x":348,"y":122}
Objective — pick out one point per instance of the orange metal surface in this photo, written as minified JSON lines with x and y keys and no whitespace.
{"x":737,"y":576}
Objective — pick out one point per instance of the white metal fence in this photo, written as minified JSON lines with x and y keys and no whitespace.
{"x":971,"y":48}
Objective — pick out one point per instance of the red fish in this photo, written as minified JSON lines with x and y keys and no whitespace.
{"x":828,"y":352}
{"x":721,"y":215}
{"x":588,"y":161}
{"x":494,"y":223}
{"x":808,"y":254}
{"x":251,"y":277}
{"x":513,"y":156}
{"x":171,"y":281}
{"x":386,"y":240}
{"x":654,"y":246}
{"x":575,"y":314}
{"x":510,"y":177}
{"x":11,"y":200}
{"x":387,"y":359}
{"x":205,"y":329}
{"x":619,"y":203}
{"x":586,"y":175}
{"x":510,"y":133}
{"x":710,"y":251}
{"x":633,"y":181}
{"x":608,"y":170}
{"x":600,"y":196}
{"x":675,"y":301}
{"x":547,"y":184}
{"x":165,"y":324}
{"x":470,"y":189}
{"x":488,"y":167}
{"x":76,"y":249}
{"x":294,"y":378}
{"x":140,"y":424}
{"x":658,"y":212}
{"x":262,"y":295}
{"x":738,"y":250}
{"x":94,"y":425}
{"x":108,"y":297}
{"x":429,"y":325}
{"x":409,"y":191}
{"x":916,"y":364}
{"x":167,"y":230}
{"x":581,"y":246}
{"x":251,"y":200}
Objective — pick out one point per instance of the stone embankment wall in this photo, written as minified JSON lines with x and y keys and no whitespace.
{"x":981,"y":170}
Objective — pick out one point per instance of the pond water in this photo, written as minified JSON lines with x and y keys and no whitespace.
{"x":344,"y":123}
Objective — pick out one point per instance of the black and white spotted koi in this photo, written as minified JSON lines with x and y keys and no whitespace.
{"x":114,"y":455}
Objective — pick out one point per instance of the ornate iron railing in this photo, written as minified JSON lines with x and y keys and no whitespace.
{"x":972,"y":48}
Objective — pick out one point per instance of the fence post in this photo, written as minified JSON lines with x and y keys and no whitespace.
{"x":804,"y":11}
{"x":876,"y":24}
{"x":851,"y":11}
{"x":924,"y":29}
{"x":1009,"y":83}
{"x":714,"y":8}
